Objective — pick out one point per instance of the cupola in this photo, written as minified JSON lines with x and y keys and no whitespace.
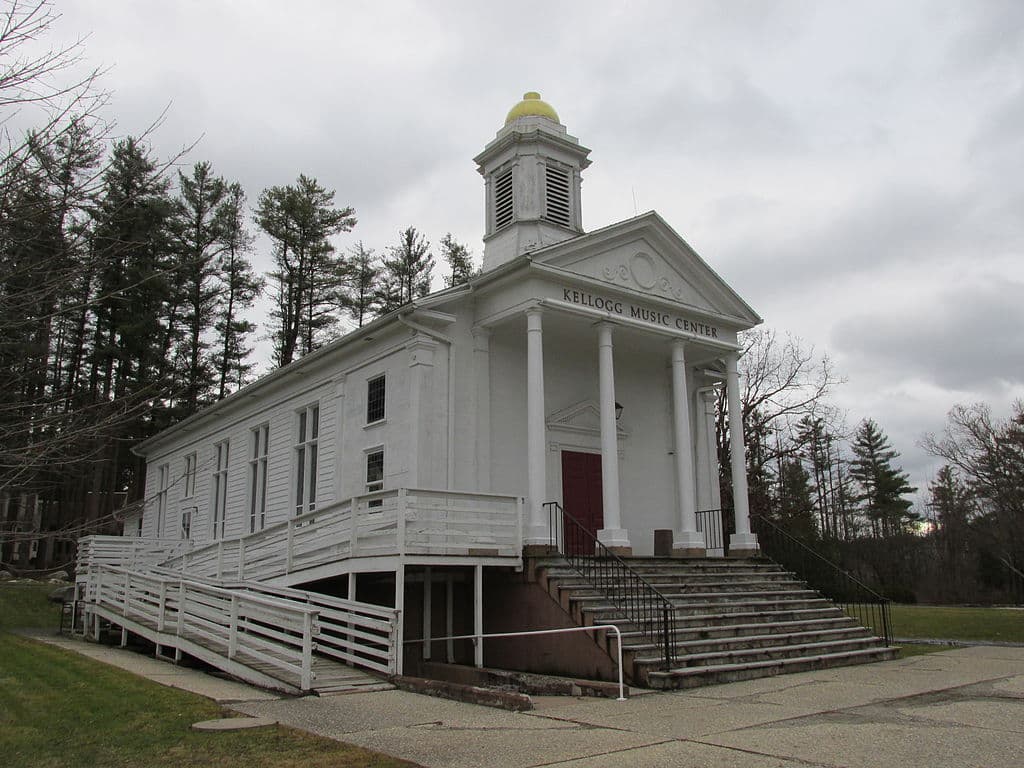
{"x":531,"y":173}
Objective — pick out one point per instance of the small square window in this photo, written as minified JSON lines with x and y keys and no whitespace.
{"x":375,"y":397}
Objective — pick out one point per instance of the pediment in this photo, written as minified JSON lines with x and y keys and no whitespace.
{"x":646,"y":256}
{"x":583,"y":417}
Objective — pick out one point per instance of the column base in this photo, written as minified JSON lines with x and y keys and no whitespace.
{"x":689,"y":544}
{"x":617,"y":540}
{"x":689,"y":552}
{"x":539,"y":550}
{"x":743,"y":545}
{"x":537,"y":536}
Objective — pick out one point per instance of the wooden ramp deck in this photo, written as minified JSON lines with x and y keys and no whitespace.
{"x":296,"y":643}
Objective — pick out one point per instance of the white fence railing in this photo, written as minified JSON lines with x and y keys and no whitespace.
{"x":124,"y":552}
{"x":359,"y":634}
{"x":409,"y":521}
{"x":270,"y":628}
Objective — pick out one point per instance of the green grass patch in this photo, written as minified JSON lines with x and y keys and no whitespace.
{"x":64,"y":710}
{"x":942,"y":622}
{"x":25,"y":606}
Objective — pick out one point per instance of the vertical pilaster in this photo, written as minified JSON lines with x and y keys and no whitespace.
{"x":338,"y":480}
{"x":689,"y":542}
{"x":742,"y":543}
{"x":421,"y":364}
{"x":537,"y":530}
{"x":612,"y":535}
{"x":482,"y":375}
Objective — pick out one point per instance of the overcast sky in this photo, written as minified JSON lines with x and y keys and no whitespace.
{"x":854,"y":170}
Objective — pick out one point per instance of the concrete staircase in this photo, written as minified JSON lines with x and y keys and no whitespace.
{"x":734,"y":620}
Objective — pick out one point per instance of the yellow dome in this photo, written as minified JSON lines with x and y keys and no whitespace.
{"x":531,"y":105}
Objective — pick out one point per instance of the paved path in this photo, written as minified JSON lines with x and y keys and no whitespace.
{"x":955,"y":708}
{"x":961,"y":707}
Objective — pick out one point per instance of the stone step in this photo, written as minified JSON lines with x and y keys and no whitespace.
{"x":564,"y":569}
{"x":728,"y":631}
{"x":600,"y":609}
{"x":767,"y":653}
{"x":590,"y":596}
{"x":698,"y":648}
{"x":685,"y":585}
{"x":694,"y":677}
{"x":727,"y":620}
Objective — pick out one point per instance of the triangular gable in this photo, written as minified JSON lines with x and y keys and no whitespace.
{"x":646,"y":255}
{"x":583,"y":417}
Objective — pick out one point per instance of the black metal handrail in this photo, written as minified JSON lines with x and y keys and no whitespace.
{"x":640,"y":601}
{"x":856,"y":598}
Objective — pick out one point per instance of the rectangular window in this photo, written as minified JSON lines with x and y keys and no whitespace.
{"x":375,"y":470}
{"x":186,"y":522}
{"x":258,"y":478}
{"x":305,"y":459}
{"x":220,"y":488}
{"x":375,"y":398}
{"x":190,"y":476}
{"x":163,"y":476}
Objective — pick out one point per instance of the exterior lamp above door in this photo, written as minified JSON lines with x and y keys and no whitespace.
{"x":618,"y":411}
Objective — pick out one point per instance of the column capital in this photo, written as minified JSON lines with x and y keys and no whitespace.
{"x":679,"y":350}
{"x":421,"y":350}
{"x":732,"y":363}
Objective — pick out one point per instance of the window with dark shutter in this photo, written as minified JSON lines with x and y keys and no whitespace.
{"x":557,"y":196}
{"x":503,"y":208}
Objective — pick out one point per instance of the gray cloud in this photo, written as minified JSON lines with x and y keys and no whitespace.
{"x":966,"y":338}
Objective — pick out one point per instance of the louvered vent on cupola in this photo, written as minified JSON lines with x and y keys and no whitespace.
{"x":557,"y":196}
{"x":503,"y":208}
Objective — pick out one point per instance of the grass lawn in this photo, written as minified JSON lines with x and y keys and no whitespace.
{"x":60,"y":709}
{"x":958,"y":623}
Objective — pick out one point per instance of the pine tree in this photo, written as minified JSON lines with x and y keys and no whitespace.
{"x":410,"y":265}
{"x":198,"y":233}
{"x":240,"y":286}
{"x":882,"y":485}
{"x":362,"y":300}
{"x":309,"y":277}
{"x":459,"y":261}
{"x":796,"y":504}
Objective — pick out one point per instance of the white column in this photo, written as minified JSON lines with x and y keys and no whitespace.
{"x":482,"y":411}
{"x":743,"y":542}
{"x":400,"y":623}
{"x":689,"y":542}
{"x":613,"y":534}
{"x":478,"y":614}
{"x":537,"y":529}
{"x":427,"y":612}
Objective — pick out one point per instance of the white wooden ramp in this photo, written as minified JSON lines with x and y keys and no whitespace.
{"x":276,"y":638}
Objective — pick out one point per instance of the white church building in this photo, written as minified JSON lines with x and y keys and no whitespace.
{"x":577,"y":367}
{"x":429,"y":460}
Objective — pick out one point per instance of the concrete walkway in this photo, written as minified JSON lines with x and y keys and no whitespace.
{"x":961,"y":707}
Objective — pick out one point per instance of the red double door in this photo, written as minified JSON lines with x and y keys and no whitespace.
{"x":581,"y":497}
